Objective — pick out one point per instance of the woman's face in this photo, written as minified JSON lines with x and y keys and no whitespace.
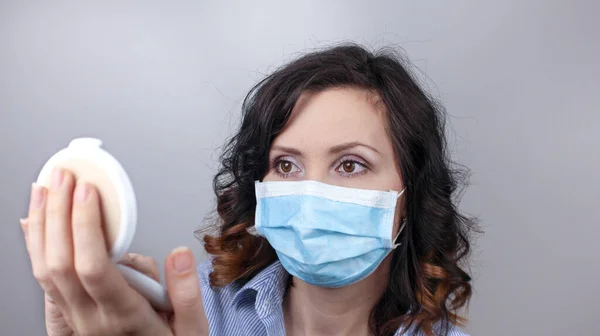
{"x":337,"y":136}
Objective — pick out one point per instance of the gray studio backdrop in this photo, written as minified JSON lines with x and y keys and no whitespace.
{"x":161,"y":84}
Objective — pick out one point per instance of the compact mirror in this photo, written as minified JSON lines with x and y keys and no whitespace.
{"x":85,"y":158}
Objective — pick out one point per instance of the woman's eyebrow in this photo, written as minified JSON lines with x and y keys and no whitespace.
{"x":333,"y":150}
{"x":289,"y":150}
{"x":349,"y":145}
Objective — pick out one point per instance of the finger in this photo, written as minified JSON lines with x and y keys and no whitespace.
{"x":147,"y":266}
{"x":25,"y":227}
{"x":36,"y":235}
{"x":56,"y":321}
{"x":59,"y":240}
{"x":99,"y":276}
{"x":183,"y":286}
{"x":144,"y":264}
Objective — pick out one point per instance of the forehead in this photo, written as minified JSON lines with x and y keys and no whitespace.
{"x":332,"y":116}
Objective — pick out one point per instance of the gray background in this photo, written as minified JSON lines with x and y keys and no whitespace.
{"x":161,"y":84}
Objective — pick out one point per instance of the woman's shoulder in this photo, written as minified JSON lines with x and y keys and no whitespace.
{"x":269,"y":282}
{"x":235,"y":309}
{"x":204,"y":269}
{"x":209,"y":292}
{"x":455,"y":331}
{"x":452,"y":330}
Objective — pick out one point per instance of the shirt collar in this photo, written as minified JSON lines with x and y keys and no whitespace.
{"x":269,"y":285}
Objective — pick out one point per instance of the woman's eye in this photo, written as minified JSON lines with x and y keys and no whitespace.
{"x":350,"y":167}
{"x":286,"y":167}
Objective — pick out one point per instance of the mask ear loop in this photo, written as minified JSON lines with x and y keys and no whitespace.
{"x":399,"y":231}
{"x":252,"y":230}
{"x":403,"y":224}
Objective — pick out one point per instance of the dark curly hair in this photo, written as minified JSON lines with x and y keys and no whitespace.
{"x":428,"y":284}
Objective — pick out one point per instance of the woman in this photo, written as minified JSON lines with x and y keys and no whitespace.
{"x":336,"y":217}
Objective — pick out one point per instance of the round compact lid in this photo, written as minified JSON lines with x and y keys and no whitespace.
{"x":88,"y":162}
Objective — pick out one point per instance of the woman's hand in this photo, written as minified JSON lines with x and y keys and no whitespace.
{"x":85,"y":293}
{"x":56,"y":324}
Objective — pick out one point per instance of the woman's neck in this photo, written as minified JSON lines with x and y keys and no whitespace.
{"x":311,"y":310}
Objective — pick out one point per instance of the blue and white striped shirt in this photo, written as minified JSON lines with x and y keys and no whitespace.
{"x":255,"y":308}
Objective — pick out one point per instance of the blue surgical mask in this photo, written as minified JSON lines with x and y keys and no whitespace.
{"x":325,"y":235}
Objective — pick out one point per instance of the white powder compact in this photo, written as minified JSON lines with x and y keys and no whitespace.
{"x":85,"y":158}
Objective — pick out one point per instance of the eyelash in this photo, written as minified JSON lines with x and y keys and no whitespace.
{"x":338,"y":164}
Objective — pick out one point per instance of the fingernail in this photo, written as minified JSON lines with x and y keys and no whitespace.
{"x":57,"y":178}
{"x":126,"y":259}
{"x":37,"y":196}
{"x":82,"y":190}
{"x":182,"y":259}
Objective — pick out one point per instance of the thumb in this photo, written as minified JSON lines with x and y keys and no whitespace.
{"x":183,"y":286}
